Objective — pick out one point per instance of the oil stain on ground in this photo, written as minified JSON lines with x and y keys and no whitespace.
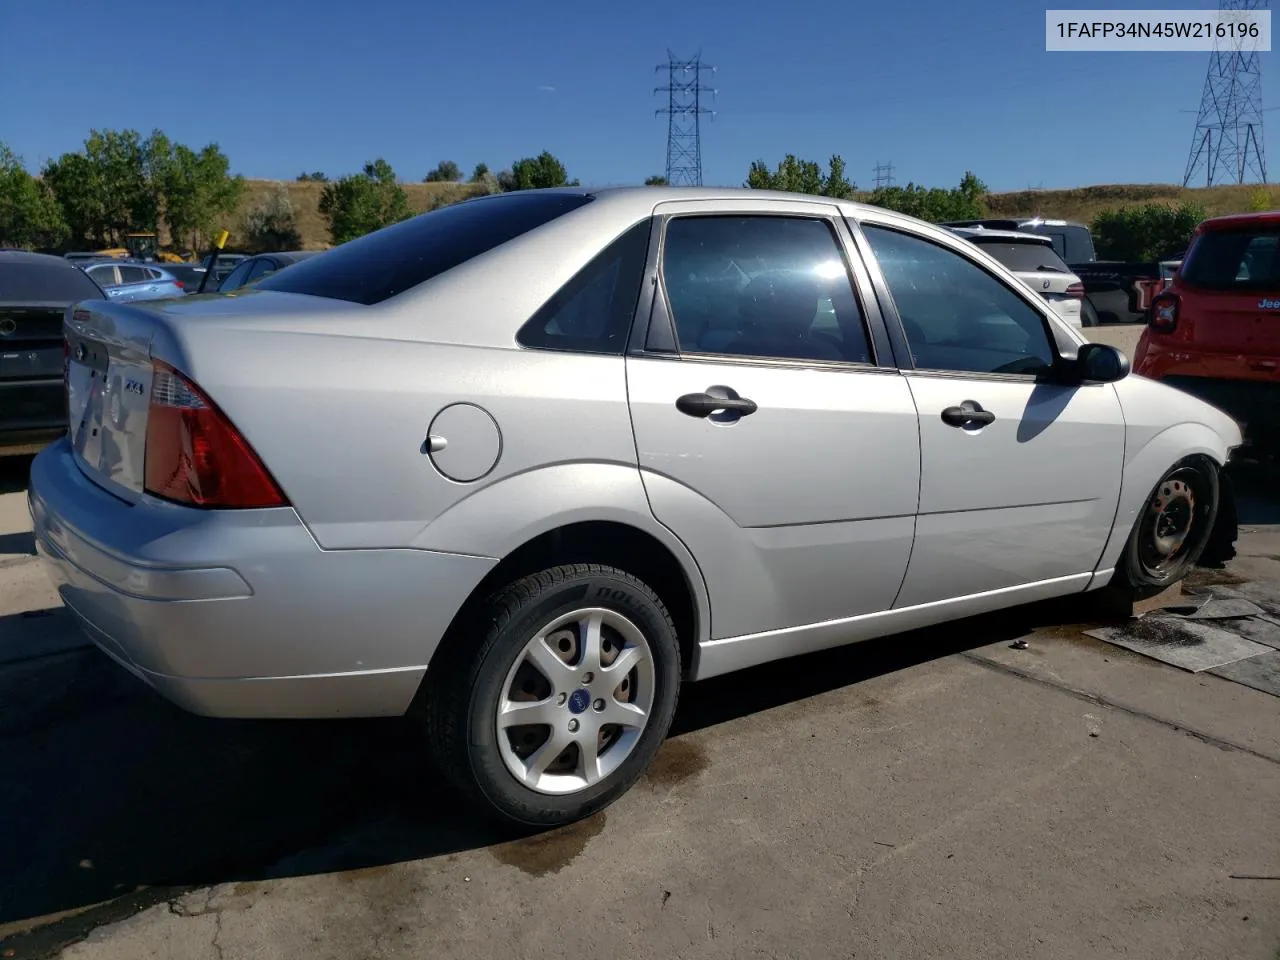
{"x":677,"y":761}
{"x":550,"y":852}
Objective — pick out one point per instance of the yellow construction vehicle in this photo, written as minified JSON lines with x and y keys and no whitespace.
{"x":140,"y":246}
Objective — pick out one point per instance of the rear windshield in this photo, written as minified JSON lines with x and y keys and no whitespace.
{"x":38,"y":282}
{"x":1233,"y":260}
{"x":389,"y":261}
{"x":1025,"y":257}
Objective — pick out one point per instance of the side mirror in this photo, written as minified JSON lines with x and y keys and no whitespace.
{"x":1101,"y":363}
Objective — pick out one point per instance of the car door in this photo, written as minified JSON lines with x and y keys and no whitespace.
{"x":774,"y":435}
{"x":1020,"y":475}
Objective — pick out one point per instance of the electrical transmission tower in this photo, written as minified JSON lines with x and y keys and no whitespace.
{"x":884,"y":175}
{"x":1227,"y":146}
{"x":684,"y":112}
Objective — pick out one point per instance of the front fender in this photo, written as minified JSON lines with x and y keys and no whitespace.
{"x":507,"y":514}
{"x":1148,"y":456}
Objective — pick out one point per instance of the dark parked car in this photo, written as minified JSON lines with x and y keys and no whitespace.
{"x":35,"y":291}
{"x":255,"y":268}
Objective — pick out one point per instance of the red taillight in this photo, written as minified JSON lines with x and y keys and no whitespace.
{"x":179,"y":284}
{"x":195,"y":455}
{"x":1164,"y":313}
{"x":1075,"y":290}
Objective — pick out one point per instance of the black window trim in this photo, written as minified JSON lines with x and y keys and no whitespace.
{"x":1063,"y":347}
{"x":571,"y":287}
{"x":653,"y":331}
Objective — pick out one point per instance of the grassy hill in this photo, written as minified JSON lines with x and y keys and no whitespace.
{"x":1081,"y":203}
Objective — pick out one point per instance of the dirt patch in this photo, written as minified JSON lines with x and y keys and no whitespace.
{"x":1204,"y":577}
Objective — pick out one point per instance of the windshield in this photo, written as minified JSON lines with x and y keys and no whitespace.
{"x":1234,"y":260}
{"x":1024,"y":257}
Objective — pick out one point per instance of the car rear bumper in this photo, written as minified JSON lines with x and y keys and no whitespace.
{"x":32,"y":413}
{"x":240,"y":613}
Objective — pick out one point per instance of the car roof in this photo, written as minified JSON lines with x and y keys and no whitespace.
{"x":1012,"y":236}
{"x":292,"y":256}
{"x":25,"y":256}
{"x":1233,"y":221}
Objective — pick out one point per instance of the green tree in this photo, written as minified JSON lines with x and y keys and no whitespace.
{"x":314,"y":177}
{"x":271,"y":224}
{"x":197,"y":192}
{"x":794,"y":175}
{"x":445,"y":172}
{"x":29,"y":213}
{"x":935,"y":204}
{"x":540,"y":172}
{"x":480,"y":172}
{"x":77,"y":189}
{"x":364,"y":202}
{"x":506,"y":181}
{"x":1145,"y":232}
{"x":655,"y":181}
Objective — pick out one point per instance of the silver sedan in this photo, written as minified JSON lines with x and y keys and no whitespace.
{"x":524,"y":465}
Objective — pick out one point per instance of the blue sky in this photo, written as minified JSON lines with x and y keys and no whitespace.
{"x":934,"y":86}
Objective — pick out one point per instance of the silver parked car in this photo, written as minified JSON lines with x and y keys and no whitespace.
{"x":134,"y":280}
{"x":529,"y":462}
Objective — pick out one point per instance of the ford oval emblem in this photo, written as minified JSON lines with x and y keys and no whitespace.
{"x":8,"y":327}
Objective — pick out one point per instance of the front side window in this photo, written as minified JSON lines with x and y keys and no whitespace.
{"x":770,"y":287}
{"x":958,"y":317}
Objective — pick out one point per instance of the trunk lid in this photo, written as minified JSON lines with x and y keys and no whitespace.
{"x":109,"y":391}
{"x":110,"y":349}
{"x":1229,"y":284}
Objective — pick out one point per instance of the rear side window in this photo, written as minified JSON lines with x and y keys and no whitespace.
{"x":1233,"y":260}
{"x":592,"y":313}
{"x":1024,"y":257}
{"x":39,"y":282}
{"x":380,"y":265}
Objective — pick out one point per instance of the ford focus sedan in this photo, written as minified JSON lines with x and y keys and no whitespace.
{"x":523,"y":466}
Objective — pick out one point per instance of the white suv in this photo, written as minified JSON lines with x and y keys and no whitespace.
{"x":1031,"y":258}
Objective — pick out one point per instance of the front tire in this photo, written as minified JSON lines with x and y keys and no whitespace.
{"x":550,"y":704}
{"x":1173,"y":528}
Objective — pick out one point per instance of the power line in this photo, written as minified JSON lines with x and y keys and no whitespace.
{"x":684,"y":112}
{"x":1227,"y":145}
{"x":883,"y":175}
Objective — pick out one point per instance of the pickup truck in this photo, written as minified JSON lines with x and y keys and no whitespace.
{"x":1115,"y":291}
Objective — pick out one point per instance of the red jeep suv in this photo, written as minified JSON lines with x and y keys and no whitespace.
{"x":1215,"y":330}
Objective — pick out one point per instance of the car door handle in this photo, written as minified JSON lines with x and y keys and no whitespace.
{"x":966,"y":415}
{"x":704,"y":405}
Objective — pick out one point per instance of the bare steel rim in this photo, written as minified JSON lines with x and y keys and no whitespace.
{"x":1170,"y":521}
{"x":576,"y":701}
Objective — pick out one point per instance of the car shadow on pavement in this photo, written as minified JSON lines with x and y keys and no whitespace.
{"x":116,"y":800}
